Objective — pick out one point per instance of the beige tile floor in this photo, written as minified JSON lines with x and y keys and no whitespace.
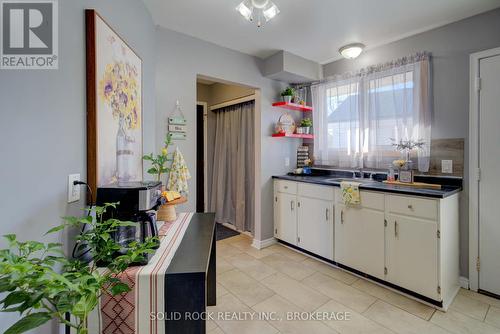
{"x":280,"y":281}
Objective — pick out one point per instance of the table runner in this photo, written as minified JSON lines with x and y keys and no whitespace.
{"x":130,"y":313}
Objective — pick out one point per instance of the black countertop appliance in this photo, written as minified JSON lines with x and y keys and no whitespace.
{"x":138,"y":203}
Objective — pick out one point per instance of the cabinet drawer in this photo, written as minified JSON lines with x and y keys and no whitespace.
{"x":370,"y":200}
{"x":288,"y":187}
{"x":326,"y":193}
{"x":411,"y":206}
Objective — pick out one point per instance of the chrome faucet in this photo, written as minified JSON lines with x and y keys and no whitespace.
{"x":360,"y":171}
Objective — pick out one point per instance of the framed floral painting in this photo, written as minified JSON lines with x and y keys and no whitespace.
{"x":114,"y":106}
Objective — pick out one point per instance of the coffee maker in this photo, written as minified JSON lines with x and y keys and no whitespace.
{"x":138,"y":203}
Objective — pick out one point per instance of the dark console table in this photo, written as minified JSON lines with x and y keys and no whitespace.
{"x":190,"y":280}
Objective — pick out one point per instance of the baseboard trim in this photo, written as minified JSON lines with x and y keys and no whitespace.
{"x":259,"y":244}
{"x":463,"y":282}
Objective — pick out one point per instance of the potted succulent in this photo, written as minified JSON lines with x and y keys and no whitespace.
{"x":305,"y":126}
{"x":288,"y":94}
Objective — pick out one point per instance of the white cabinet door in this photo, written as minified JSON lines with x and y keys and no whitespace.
{"x":412,"y":254}
{"x":315,"y":226}
{"x":489,"y":160}
{"x":286,"y":217}
{"x":359,"y":239}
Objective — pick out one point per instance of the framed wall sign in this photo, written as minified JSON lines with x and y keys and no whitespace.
{"x":406,"y":176}
{"x":177,"y":124}
{"x":114,"y":106}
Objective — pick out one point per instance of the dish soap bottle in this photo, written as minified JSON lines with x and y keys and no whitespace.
{"x":391,"y":176}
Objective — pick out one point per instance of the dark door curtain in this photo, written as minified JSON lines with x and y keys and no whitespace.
{"x":232,"y":195}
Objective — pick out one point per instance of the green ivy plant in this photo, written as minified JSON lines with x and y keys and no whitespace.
{"x":158,"y":162}
{"x":41,"y":284}
{"x":306,"y":123}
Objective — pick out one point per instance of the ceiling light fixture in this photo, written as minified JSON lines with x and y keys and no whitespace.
{"x":351,"y":51}
{"x":260,"y":11}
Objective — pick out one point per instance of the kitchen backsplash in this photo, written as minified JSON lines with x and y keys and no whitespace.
{"x":441,"y":149}
{"x":447,"y":149}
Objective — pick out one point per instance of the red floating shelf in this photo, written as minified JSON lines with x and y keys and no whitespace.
{"x":293,"y":135}
{"x":292,"y":106}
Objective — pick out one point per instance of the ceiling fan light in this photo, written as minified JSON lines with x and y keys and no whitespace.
{"x":351,"y":51}
{"x":245,"y":10}
{"x":271,"y":12}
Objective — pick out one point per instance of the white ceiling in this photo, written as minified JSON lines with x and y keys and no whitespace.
{"x":313,"y":29}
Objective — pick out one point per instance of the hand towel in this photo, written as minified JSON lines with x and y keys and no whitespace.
{"x":179,"y":174}
{"x":350,"y":193}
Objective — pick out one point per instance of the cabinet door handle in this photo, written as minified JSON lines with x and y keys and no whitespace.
{"x":292,"y":206}
{"x":327,"y":214}
{"x":396,"y":233}
{"x":342,"y":216}
{"x":410,"y":206}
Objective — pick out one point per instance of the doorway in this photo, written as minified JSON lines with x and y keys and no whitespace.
{"x":484,"y":232}
{"x":201,"y":156}
{"x":229,"y":177}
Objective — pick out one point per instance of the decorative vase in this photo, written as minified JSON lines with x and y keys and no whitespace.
{"x":287,"y":98}
{"x":408,"y":163}
{"x":124,"y":153}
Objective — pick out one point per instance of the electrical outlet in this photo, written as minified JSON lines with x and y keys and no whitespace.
{"x":447,"y":166}
{"x":73,"y":190}
{"x":287,"y":162}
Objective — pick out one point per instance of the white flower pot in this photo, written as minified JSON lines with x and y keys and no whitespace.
{"x":304,"y":130}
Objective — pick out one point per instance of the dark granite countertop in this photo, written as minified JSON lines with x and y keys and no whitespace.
{"x":446,"y":190}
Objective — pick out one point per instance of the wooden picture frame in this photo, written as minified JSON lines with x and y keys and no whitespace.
{"x":114,"y":106}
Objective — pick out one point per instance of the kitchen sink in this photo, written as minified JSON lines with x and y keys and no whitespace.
{"x":347,"y":179}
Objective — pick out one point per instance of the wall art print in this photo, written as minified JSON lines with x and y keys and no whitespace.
{"x":114,"y":106}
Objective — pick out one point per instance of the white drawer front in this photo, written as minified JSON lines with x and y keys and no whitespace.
{"x":370,"y":200}
{"x":284,"y":186}
{"x":326,"y":193}
{"x":411,"y":206}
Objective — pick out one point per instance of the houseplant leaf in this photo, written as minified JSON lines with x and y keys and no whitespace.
{"x":29,"y":322}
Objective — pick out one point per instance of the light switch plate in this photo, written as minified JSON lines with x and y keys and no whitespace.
{"x":447,"y":166}
{"x":73,"y":190}
{"x":287,"y":162}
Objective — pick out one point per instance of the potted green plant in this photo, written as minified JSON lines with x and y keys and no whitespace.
{"x":288,"y":94}
{"x":305,"y":126}
{"x":41,"y":284}
{"x":158,"y":168}
{"x":158,"y":162}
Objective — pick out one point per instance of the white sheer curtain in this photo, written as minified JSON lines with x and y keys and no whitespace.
{"x":356,"y":118}
{"x":336,"y":119}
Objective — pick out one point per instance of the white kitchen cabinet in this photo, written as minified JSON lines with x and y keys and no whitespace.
{"x":412,"y":254}
{"x":315,"y":226}
{"x":408,"y":241}
{"x":359,"y":239}
{"x":285,"y":224}
{"x":304,"y":216}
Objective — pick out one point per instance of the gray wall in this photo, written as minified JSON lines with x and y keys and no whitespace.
{"x":42,"y":123}
{"x":180,"y":58}
{"x":451,"y":46}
